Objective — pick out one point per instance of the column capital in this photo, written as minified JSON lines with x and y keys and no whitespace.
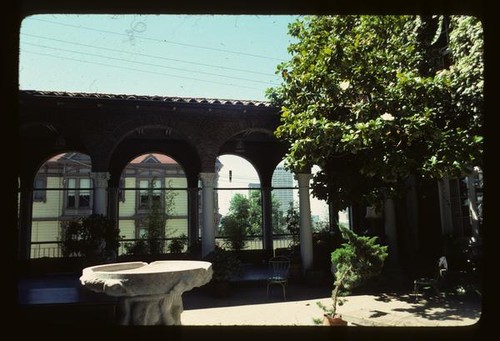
{"x":100,"y":179}
{"x":208,"y":179}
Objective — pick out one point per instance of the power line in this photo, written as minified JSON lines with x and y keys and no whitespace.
{"x":145,"y":71}
{"x":148,"y":64}
{"x":161,"y":40}
{"x":148,"y":55}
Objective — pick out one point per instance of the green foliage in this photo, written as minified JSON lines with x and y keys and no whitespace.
{"x":248,"y":211}
{"x":235,"y":230}
{"x":158,"y":213}
{"x":360,"y":256}
{"x":177,"y":244}
{"x":357,"y":260}
{"x":93,"y":235}
{"x":292,"y":221}
{"x":155,"y":222}
{"x":138,"y":247}
{"x":225,"y":264}
{"x":374,"y":94}
{"x":278,"y":218}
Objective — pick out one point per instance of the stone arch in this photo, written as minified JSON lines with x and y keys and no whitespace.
{"x":61,"y":189}
{"x":259,"y":146}
{"x":169,"y":183}
{"x":159,"y":139}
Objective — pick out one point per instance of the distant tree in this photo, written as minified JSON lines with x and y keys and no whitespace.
{"x":372,"y":100}
{"x":248,"y":212}
{"x":255,"y":213}
{"x":235,"y":230}
{"x":292,"y":222}
{"x":278,"y":216}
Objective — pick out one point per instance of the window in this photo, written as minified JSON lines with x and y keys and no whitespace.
{"x":149,"y":193}
{"x":84,"y":193}
{"x":39,"y":186}
{"x":78,"y":193}
{"x":71,"y":194}
{"x":141,"y":231}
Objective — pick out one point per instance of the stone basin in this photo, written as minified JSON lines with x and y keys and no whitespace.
{"x":150,"y":293}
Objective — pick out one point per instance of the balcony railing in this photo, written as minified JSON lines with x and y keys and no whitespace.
{"x":53,"y":249}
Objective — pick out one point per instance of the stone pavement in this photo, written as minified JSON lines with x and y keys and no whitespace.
{"x":388,"y":304}
{"x":249,"y":305}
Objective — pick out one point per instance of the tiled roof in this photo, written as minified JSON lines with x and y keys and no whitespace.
{"x":164,"y":159}
{"x":160,"y":157}
{"x":146,"y":98}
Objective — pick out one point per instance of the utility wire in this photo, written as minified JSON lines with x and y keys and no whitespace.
{"x":145,"y":71}
{"x":148,"y":64}
{"x":148,"y":55}
{"x":160,"y":40}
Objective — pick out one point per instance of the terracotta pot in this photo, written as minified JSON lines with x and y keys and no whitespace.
{"x":334,"y":320}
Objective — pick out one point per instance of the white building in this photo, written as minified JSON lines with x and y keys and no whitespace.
{"x":282,"y":183}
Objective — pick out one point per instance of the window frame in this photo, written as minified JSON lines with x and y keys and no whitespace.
{"x":143,"y":208}
{"x":40,"y":190}
{"x":77,"y":208}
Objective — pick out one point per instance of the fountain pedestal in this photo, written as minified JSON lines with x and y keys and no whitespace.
{"x":149,"y":293}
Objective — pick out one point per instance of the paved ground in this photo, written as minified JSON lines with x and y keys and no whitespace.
{"x":249,"y":305}
{"x":387,"y":304}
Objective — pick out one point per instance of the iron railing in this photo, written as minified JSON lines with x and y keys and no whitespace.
{"x":53,"y":249}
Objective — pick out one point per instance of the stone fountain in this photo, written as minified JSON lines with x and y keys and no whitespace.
{"x":149,"y":293}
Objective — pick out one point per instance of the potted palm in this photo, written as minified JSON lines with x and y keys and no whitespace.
{"x":358,"y":259}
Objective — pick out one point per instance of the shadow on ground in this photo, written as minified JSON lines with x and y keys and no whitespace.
{"x":446,"y":306}
{"x":254,"y":292}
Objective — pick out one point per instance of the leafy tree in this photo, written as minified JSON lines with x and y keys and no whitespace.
{"x":235,"y":230}
{"x":93,"y":235}
{"x":152,"y":242}
{"x":374,"y":99}
{"x":248,"y":212}
{"x":255,"y":213}
{"x":155,"y":222}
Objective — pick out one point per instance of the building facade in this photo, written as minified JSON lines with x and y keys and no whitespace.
{"x":63,"y":191}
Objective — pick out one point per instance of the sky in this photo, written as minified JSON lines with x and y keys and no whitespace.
{"x":207,"y":56}
{"x":203,"y":56}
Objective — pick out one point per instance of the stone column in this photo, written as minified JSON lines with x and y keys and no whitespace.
{"x":473,"y":209}
{"x":390,"y":230}
{"x":100,"y":192}
{"x":412,"y":212}
{"x":24,"y":222}
{"x":113,"y":203}
{"x":208,"y":181}
{"x":193,"y":216}
{"x":267,"y":216}
{"x":306,"y":247}
{"x":445,"y":206}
